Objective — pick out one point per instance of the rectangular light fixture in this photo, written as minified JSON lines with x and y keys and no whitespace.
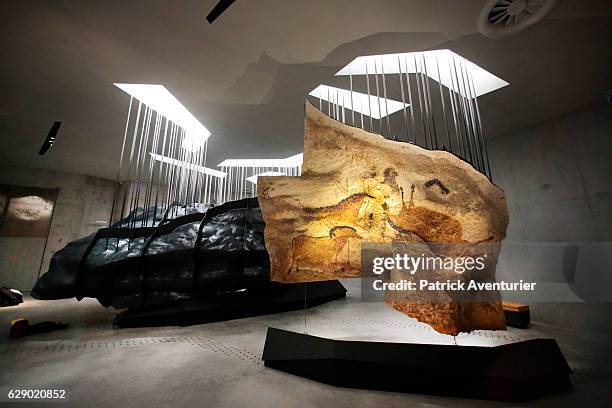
{"x":158,"y":98}
{"x":184,"y":164}
{"x":429,"y":61}
{"x":253,"y":179}
{"x":292,"y":161}
{"x":373,"y":106}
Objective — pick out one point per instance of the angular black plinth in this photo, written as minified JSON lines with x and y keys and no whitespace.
{"x":519,"y":319}
{"x":278,"y":297}
{"x":512,"y":372}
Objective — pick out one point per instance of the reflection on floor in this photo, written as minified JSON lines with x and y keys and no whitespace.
{"x":219,"y":364}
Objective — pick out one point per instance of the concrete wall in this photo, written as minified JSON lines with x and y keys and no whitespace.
{"x":82,"y":200}
{"x":557,"y":177}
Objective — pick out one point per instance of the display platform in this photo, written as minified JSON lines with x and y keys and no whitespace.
{"x":282,"y":297}
{"x":511,"y":372}
{"x":516,"y":314}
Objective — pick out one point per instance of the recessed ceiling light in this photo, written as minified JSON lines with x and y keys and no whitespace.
{"x":158,"y":98}
{"x":292,"y":161}
{"x":50,"y":139}
{"x":375,"y":107}
{"x":221,"y":6}
{"x":439,"y":65}
{"x":187,"y":165}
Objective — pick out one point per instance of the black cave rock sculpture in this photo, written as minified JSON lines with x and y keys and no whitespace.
{"x":205,"y":255}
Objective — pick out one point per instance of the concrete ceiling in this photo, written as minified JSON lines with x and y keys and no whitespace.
{"x":246,"y":75}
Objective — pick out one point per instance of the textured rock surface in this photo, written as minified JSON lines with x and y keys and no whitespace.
{"x":357,"y":186}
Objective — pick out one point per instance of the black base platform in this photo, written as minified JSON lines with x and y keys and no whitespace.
{"x":512,"y":372}
{"x":280,"y":297}
{"x":519,"y":319}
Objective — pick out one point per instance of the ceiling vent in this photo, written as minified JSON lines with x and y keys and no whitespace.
{"x":501,"y":18}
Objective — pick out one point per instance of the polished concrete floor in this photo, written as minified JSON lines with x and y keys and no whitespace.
{"x":219,"y":364}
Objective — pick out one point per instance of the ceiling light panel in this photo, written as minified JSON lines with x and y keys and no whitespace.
{"x":187,"y":165}
{"x":253,"y":179}
{"x":292,"y":161}
{"x":158,"y":98}
{"x":440,"y":65}
{"x":370,"y":106}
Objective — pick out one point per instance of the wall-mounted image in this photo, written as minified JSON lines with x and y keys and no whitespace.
{"x":26,"y":211}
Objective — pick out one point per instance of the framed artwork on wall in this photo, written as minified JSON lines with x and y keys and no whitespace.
{"x":26,"y":211}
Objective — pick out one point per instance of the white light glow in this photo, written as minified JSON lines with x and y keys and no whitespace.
{"x":30,"y":208}
{"x":375,"y":107}
{"x":195,"y":167}
{"x":292,"y":161}
{"x":448,"y":62}
{"x":253,"y":179}
{"x":158,"y":98}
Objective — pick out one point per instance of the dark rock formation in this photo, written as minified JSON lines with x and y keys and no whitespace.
{"x":204,"y":255}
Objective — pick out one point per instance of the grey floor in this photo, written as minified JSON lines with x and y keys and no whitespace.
{"x":219,"y":364}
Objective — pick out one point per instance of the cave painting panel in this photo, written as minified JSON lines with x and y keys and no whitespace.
{"x":358,"y":187}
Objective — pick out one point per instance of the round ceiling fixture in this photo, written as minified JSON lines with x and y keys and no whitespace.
{"x":501,"y":18}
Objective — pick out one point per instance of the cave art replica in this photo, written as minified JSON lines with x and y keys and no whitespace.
{"x":359,"y":187}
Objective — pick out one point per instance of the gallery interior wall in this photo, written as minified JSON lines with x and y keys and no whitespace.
{"x":557,"y":176}
{"x":82,"y":200}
